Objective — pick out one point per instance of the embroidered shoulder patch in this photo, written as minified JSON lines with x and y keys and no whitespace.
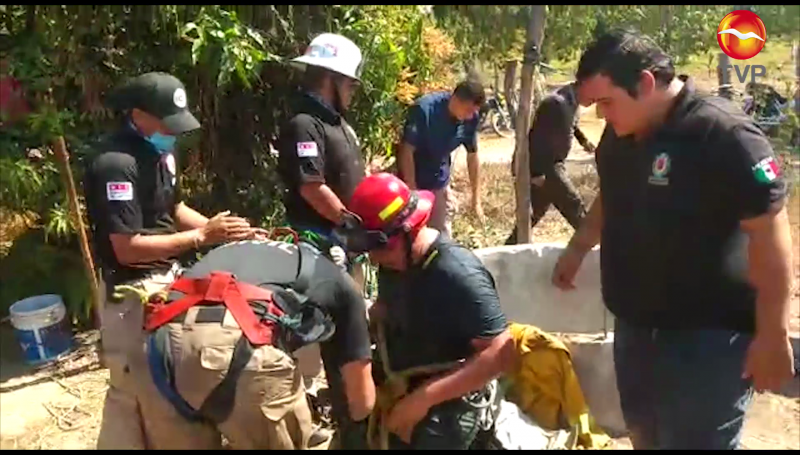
{"x":307,"y":149}
{"x":119,"y":191}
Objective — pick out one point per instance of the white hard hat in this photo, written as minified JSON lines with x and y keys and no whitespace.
{"x":333,"y":52}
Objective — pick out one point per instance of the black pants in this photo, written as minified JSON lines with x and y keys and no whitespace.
{"x":559,"y":191}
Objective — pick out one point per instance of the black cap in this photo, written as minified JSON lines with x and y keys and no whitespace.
{"x":159,"y":94}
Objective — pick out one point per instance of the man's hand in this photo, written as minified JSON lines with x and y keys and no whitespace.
{"x":224,"y":228}
{"x":567,"y":268}
{"x":769,"y":362}
{"x":590,"y":147}
{"x":406,"y":414}
{"x":477,"y":209}
{"x":258,"y":233}
{"x":538,"y":181}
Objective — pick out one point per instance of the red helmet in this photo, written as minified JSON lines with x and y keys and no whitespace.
{"x":385,"y":203}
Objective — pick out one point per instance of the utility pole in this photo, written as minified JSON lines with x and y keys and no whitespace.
{"x":533,"y":43}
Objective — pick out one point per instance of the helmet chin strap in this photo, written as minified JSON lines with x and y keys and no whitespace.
{"x":337,"y":97}
{"x":408,"y":242}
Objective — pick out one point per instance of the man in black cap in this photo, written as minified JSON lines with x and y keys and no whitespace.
{"x":549,"y":144}
{"x":140,"y":226}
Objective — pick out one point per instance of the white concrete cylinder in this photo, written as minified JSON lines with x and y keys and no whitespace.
{"x":523,"y":274}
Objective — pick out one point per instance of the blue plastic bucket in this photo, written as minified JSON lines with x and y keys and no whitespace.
{"x":41,"y":327}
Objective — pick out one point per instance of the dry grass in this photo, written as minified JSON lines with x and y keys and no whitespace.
{"x":498,"y":198}
{"x":13,"y":225}
{"x":60,"y":406}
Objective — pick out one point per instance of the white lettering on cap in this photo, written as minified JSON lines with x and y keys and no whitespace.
{"x":179,"y":98}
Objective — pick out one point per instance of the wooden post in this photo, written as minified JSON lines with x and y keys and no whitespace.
{"x":724,"y":75}
{"x":533,"y":43}
{"x":509,"y":86}
{"x":796,"y":53}
{"x":62,"y":157}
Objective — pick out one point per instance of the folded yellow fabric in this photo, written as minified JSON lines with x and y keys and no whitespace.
{"x":544,"y":385}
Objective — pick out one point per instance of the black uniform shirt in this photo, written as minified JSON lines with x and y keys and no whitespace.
{"x":550,"y":136}
{"x":130,"y":189}
{"x":258,"y":262}
{"x":673,"y":254}
{"x":317,"y":145}
{"x":437,"y":308}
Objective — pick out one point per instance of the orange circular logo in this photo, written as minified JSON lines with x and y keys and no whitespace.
{"x":741,"y":34}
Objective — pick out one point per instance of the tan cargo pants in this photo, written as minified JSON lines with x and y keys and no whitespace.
{"x":442,"y":211}
{"x":270,"y":408}
{"x":121,"y":337}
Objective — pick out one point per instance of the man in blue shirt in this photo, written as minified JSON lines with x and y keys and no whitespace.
{"x":436,"y":125}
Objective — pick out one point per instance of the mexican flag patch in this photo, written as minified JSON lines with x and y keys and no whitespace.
{"x":766,"y":170}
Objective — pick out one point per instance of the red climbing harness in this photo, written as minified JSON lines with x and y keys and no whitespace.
{"x":220,"y":287}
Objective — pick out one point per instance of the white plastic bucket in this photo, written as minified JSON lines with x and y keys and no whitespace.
{"x":41,"y":327}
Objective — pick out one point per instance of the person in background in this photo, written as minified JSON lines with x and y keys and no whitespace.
{"x":549,"y":144}
{"x":140,"y":225}
{"x":696,"y":248}
{"x":436,"y":125}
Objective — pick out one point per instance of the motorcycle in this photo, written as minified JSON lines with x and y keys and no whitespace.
{"x":766,"y":106}
{"x":493,"y":114}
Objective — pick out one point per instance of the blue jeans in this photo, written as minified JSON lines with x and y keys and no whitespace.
{"x":682,"y":389}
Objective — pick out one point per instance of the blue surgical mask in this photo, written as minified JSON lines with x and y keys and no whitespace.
{"x":162,"y":142}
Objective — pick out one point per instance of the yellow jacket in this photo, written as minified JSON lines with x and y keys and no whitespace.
{"x":544,"y":386}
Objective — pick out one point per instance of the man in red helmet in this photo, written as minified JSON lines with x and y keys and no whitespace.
{"x":437,"y":305}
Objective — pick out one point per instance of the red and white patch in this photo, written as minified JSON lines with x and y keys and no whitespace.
{"x":119,"y":191}
{"x":307,"y":149}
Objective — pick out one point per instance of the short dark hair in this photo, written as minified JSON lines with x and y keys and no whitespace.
{"x":472,"y":91}
{"x":622,"y":55}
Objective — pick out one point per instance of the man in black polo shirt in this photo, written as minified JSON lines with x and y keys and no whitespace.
{"x":140,"y":225}
{"x":437,"y":305}
{"x":269,"y":410}
{"x":549,"y":144}
{"x":695,"y":248}
{"x":319,"y":158}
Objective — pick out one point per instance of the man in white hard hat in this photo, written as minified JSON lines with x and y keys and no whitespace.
{"x":319,"y":154}
{"x":320,"y":162}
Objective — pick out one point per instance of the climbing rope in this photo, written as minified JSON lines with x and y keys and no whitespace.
{"x":392,"y":390}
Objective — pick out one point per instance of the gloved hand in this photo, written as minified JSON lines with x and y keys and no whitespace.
{"x":349,"y":221}
{"x":338,"y":255}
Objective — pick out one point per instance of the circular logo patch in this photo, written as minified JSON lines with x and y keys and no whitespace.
{"x":661,"y":165}
{"x":741,"y":34}
{"x":179,"y":98}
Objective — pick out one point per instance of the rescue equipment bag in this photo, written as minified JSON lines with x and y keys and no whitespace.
{"x":278,"y":314}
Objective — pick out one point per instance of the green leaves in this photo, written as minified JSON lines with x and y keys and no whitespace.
{"x":227,"y":47}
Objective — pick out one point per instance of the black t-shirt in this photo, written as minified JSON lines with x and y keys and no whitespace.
{"x":317,"y":145}
{"x":130,"y":189}
{"x":438,"y":307}
{"x":259,"y":262}
{"x":673,"y":254}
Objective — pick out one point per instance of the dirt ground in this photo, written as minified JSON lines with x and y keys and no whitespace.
{"x":61,"y":407}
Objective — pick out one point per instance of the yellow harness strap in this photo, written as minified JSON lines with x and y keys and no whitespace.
{"x":395,"y":388}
